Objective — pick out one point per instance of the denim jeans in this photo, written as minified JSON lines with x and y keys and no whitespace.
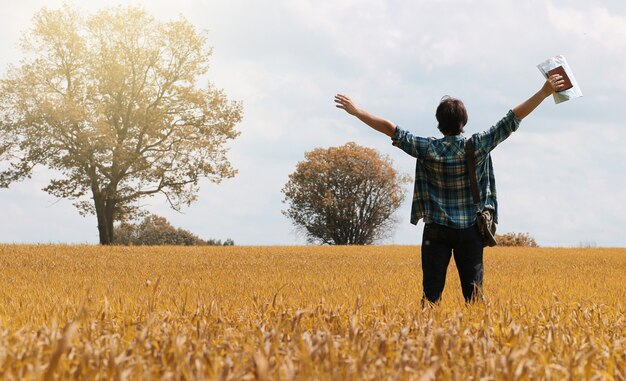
{"x":438,"y":244}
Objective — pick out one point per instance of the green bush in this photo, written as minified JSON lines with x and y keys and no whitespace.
{"x":217,"y":242}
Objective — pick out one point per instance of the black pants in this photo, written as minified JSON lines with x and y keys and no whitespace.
{"x":438,"y":244}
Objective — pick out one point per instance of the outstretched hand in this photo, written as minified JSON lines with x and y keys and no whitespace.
{"x":553,"y":84}
{"x":345,"y":103}
{"x":379,"y":124}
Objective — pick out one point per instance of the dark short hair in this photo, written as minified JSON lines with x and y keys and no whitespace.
{"x":451,"y":115}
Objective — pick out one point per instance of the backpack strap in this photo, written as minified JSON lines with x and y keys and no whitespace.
{"x":471,"y":168}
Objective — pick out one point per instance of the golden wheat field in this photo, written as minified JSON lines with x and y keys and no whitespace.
{"x":306,"y":313}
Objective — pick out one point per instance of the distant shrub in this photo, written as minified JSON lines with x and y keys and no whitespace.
{"x":156,"y":230}
{"x":516,"y":239}
{"x":217,"y":242}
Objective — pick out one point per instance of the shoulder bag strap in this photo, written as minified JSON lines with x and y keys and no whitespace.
{"x":471,"y":168}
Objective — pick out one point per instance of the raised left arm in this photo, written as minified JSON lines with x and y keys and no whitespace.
{"x":379,"y":124}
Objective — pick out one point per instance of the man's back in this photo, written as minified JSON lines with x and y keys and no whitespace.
{"x":442,"y":191}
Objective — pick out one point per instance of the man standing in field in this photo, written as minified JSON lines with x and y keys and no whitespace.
{"x":442,"y":194}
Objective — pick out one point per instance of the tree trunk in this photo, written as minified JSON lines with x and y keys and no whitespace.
{"x":102,"y":223}
{"x":109,"y":211}
{"x":105,"y":215}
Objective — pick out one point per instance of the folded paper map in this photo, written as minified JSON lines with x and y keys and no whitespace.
{"x":558,"y":65}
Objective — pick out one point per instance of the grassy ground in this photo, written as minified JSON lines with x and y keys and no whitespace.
{"x":88,"y":312}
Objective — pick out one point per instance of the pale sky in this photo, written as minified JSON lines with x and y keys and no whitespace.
{"x":560,"y":177}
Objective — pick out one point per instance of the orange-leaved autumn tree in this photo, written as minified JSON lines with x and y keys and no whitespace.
{"x":110,"y":102}
{"x":344,"y":195}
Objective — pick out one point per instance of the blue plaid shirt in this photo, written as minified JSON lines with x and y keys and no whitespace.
{"x":442,"y":192}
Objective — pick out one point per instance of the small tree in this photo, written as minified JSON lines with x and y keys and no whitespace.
{"x":111,"y":103}
{"x":344,"y":195}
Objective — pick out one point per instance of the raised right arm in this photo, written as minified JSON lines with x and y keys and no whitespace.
{"x":551,"y":85}
{"x":486,"y":141}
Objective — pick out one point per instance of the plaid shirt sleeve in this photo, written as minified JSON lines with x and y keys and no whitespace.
{"x":488,"y":140}
{"x":413,"y":145}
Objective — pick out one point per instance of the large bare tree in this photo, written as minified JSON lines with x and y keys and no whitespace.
{"x":111,"y":103}
{"x":344,"y":195}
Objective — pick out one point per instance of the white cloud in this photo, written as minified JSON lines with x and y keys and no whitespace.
{"x":594,"y":22}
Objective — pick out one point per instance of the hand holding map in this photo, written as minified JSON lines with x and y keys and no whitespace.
{"x":558,"y":65}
